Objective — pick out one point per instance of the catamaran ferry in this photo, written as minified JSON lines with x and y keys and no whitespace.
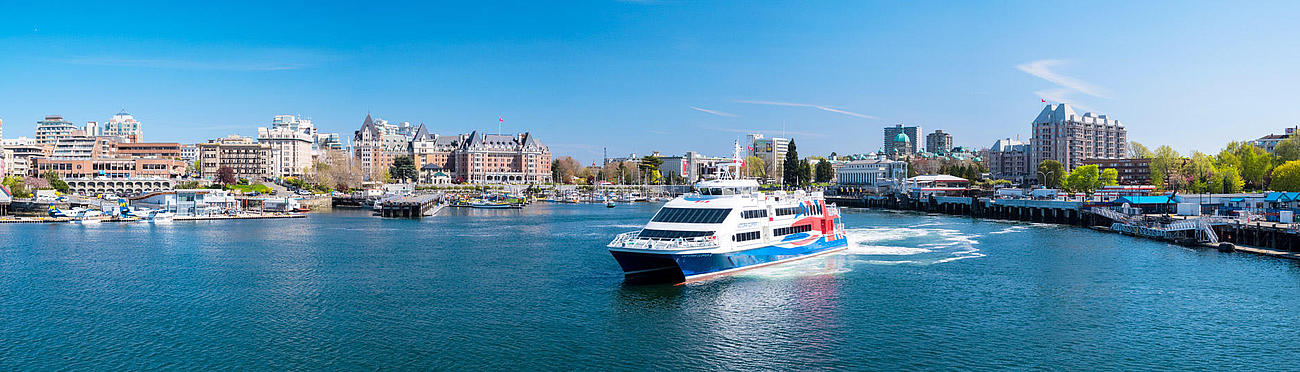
{"x":725,"y":226}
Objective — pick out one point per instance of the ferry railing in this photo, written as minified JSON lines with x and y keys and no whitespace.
{"x":633,"y":240}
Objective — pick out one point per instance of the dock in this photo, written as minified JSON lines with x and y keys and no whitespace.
{"x":410,"y":206}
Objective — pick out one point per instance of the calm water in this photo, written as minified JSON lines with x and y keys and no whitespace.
{"x":535,"y":289}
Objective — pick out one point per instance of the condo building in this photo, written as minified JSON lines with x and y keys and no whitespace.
{"x":1011,"y":160}
{"x":291,"y":151}
{"x":1062,"y":135}
{"x":938,"y":142}
{"x":247,"y":158}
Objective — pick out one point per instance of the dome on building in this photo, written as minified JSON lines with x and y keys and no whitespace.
{"x":901,"y":137}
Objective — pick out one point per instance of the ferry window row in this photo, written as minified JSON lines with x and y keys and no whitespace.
{"x":792,"y":230}
{"x":745,"y":236}
{"x":692,"y":215}
{"x":787,"y":211}
{"x":672,"y":234}
{"x":758,"y":213}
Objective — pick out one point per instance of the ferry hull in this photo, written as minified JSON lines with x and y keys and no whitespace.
{"x":676,"y":268}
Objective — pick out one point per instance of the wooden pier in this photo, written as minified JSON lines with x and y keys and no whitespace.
{"x":411,"y":206}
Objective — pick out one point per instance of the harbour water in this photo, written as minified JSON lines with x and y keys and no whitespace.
{"x":535,"y":289}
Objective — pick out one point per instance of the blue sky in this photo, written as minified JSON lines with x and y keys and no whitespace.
{"x":638,"y":76}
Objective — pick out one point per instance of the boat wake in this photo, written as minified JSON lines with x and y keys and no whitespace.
{"x":910,"y":245}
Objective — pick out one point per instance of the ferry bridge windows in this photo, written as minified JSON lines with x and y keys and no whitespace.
{"x":745,"y":236}
{"x":791,"y":230}
{"x":692,"y":215}
{"x":759,"y":213}
{"x":671,"y":234}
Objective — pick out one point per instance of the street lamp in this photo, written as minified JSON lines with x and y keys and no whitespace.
{"x":1048,"y":174}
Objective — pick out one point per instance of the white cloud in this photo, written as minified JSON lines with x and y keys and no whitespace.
{"x":1043,"y":69}
{"x":714,"y":112}
{"x":819,"y":107}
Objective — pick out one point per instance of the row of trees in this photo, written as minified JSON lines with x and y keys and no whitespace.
{"x":1239,"y":166}
{"x":1085,"y":179}
{"x":640,"y":172}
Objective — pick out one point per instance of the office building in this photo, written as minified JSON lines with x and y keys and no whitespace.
{"x":291,"y":151}
{"x":870,"y":176}
{"x":1062,"y":135}
{"x":692,"y":166}
{"x":1131,"y":171}
{"x":110,"y":167}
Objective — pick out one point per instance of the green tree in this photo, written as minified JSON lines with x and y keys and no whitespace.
{"x":755,"y":167}
{"x":1050,"y":172}
{"x":1255,"y":164}
{"x":403,"y":169}
{"x":649,"y":166}
{"x":17,"y":188}
{"x":805,"y":173}
{"x":791,"y":169}
{"x":1084,"y":179}
{"x":1286,"y":177}
{"x":824,"y":171}
{"x":1288,"y":149}
{"x":1227,"y":180}
{"x":1109,"y":177}
{"x":1166,"y":168}
{"x":55,"y":182}
{"x":1138,"y":151}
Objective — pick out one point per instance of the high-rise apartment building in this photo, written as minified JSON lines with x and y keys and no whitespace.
{"x":938,"y":142}
{"x":892,"y":147}
{"x":1062,"y":135}
{"x":291,"y":151}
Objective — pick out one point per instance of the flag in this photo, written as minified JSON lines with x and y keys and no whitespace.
{"x":1044,"y":100}
{"x":500,"y":120}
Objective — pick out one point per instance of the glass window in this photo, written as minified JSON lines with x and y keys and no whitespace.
{"x":692,"y":215}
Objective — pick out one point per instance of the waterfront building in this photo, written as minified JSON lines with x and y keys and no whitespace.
{"x":937,"y":185}
{"x":102,"y":185}
{"x":247,"y":158}
{"x":1062,"y":135}
{"x":169,"y":150}
{"x":291,"y":151}
{"x":1269,"y":142}
{"x":110,"y":167}
{"x":321,"y":142}
{"x":1132,"y":171}
{"x":376,"y":144}
{"x":1011,"y":160}
{"x":18,"y":154}
{"x":892,"y":147}
{"x":870,"y":176}
{"x":772,"y":151}
{"x":692,"y":166}
{"x":938,"y":142}
{"x":432,"y":149}
{"x":493,"y":158}
{"x":52,"y":129}
{"x":123,"y":125}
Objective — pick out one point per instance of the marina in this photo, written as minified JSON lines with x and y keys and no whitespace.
{"x":360,"y":295}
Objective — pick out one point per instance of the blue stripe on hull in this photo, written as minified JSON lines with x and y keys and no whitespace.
{"x":700,"y":264}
